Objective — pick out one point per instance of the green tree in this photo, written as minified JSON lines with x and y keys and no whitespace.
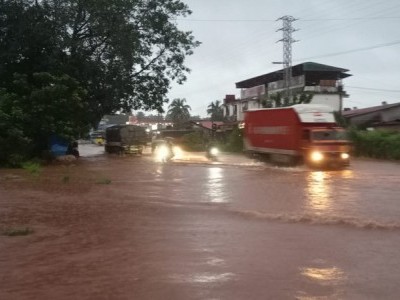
{"x":33,"y":109}
{"x":140,"y":116}
{"x":215,"y":110}
{"x":125,"y":52}
{"x":124,"y":55}
{"x":178,"y":112}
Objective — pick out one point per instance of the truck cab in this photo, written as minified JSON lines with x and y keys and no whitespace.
{"x":326,"y":146}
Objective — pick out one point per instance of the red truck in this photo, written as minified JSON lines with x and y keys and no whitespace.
{"x":303,"y":133}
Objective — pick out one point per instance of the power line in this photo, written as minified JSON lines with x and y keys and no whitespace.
{"x":373,"y":89}
{"x":300,"y":20}
{"x":353,"y":50}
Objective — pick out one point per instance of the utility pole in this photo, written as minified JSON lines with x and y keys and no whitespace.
{"x":287,"y":40}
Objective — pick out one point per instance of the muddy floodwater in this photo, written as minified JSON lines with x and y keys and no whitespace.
{"x":129,"y":227}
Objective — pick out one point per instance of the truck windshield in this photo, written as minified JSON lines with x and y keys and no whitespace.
{"x":329,"y":135}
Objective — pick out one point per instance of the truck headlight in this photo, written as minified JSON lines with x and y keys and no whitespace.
{"x":345,"y":155}
{"x":316,"y":156}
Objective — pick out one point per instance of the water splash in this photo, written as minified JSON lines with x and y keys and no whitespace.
{"x":321,"y":220}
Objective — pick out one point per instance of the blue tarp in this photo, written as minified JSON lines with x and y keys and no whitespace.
{"x":58,"y":145}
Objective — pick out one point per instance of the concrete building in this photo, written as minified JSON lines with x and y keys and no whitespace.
{"x":385,"y":116}
{"x":322,"y":82}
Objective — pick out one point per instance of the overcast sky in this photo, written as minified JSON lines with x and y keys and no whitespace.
{"x":239,"y":41}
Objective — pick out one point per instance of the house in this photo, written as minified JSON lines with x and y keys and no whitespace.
{"x":385,"y":116}
{"x":150,"y":122}
{"x":109,"y":120}
{"x":234,"y":109}
{"x":323,"y":82}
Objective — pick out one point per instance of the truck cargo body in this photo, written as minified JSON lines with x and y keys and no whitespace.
{"x":300,"y":133}
{"x":125,"y":139}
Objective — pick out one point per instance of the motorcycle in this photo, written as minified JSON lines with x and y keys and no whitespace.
{"x":163,"y":153}
{"x":212,"y":153}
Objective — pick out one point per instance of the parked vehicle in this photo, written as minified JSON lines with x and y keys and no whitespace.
{"x":97,"y":137}
{"x":125,"y":139}
{"x":303,"y":133}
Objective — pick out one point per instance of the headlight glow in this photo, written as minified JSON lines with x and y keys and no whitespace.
{"x":214,"y":151}
{"x":162,"y":152}
{"x":178,"y":153}
{"x":317,"y":156}
{"x":344,"y":155}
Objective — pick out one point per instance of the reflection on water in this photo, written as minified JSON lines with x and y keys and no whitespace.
{"x":210,"y":278}
{"x":215,"y":261}
{"x":319,"y":191}
{"x":330,"y":278}
{"x":347,"y":174}
{"x":324,"y":276}
{"x":215,"y":185}
{"x":323,"y":192}
{"x":204,"y":277}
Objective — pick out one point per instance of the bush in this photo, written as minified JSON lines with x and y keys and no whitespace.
{"x":194,"y":141}
{"x":235,"y":141}
{"x":377,"y":144}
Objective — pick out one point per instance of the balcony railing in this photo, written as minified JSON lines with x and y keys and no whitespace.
{"x":321,"y":89}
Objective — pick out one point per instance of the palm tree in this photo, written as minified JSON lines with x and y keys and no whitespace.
{"x":216,"y":111}
{"x":178,"y":112}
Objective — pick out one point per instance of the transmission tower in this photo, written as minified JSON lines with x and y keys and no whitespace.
{"x":287,"y":30}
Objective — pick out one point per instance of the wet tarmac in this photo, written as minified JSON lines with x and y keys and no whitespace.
{"x":128,"y":227}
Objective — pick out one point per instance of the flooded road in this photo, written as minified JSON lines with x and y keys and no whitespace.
{"x":112,"y":227}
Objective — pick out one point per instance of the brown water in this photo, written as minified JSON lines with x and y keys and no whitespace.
{"x":131,"y":228}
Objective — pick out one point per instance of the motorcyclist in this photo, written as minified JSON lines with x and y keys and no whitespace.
{"x":163,"y":144}
{"x":73,"y":149}
{"x":211,"y":150}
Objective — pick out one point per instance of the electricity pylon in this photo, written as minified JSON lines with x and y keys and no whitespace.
{"x":287,"y":40}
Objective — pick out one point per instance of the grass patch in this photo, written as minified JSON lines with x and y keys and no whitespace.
{"x":33,"y":168}
{"x":65,"y":179}
{"x":17,"y":231}
{"x":103,"y":181}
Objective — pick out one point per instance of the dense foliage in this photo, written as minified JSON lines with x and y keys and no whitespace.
{"x":234,"y":141}
{"x":32,"y":110}
{"x":376,"y":144}
{"x":66,"y":63}
{"x":195,"y":141}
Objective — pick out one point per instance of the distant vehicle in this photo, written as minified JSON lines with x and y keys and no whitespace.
{"x":175,"y":134}
{"x":164,"y":150}
{"x":303,"y":133}
{"x":125,"y":139}
{"x":97,"y":137}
